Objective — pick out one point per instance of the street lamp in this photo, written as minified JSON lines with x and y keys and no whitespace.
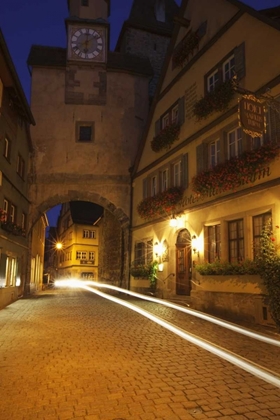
{"x":59,"y":245}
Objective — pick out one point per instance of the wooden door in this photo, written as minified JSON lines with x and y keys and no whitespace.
{"x":183,"y":263}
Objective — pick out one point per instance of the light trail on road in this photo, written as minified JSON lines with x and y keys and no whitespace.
{"x":238,"y":361}
{"x":188,"y":311}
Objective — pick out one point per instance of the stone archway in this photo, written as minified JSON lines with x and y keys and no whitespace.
{"x":115,"y":242}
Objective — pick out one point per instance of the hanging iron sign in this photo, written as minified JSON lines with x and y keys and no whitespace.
{"x":252,"y":116}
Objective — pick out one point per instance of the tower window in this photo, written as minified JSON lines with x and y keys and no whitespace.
{"x":84,"y":132}
{"x":84,"y":2}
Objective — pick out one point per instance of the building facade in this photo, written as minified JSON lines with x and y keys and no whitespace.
{"x":206,"y":179}
{"x":15,"y":153}
{"x":78,"y":241}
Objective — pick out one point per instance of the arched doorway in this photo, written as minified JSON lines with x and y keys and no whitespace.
{"x":183,"y":263}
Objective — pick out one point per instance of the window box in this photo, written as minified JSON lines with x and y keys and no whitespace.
{"x":162,"y":204}
{"x":217,"y":100}
{"x":166,"y":137}
{"x":13,"y":228}
{"x":235,"y":172}
{"x":186,"y":49}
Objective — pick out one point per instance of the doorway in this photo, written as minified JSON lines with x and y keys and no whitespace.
{"x":183,"y":263}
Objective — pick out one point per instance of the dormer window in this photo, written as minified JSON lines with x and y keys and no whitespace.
{"x":160,"y":10}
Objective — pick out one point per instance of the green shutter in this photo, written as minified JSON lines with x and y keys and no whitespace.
{"x":201,"y":157}
{"x":157,"y":127}
{"x":239,"y":59}
{"x":181,"y":111}
{"x":185,"y":170}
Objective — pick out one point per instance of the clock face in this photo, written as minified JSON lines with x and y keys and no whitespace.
{"x":86,"y":43}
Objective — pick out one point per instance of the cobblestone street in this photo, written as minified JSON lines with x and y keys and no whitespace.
{"x":68,"y":354}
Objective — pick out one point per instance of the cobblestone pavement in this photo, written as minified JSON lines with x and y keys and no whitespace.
{"x":71,"y":355}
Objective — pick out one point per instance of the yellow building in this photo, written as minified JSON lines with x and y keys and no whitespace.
{"x":77,"y":240}
{"x":208,"y":163}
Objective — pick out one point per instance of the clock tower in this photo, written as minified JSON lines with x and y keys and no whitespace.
{"x":87,"y":51}
{"x":87,"y":30}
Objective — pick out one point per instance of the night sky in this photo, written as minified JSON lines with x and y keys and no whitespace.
{"x":41,"y":22}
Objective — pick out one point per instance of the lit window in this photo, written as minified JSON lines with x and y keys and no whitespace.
{"x":213,"y":242}
{"x":259,"y":222}
{"x":81,"y":255}
{"x":144,"y":252}
{"x":236,"y":241}
{"x":91,"y":256}
{"x":89,"y":234}
{"x":7,"y":147}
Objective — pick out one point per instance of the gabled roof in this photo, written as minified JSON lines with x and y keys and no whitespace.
{"x":85,"y":212}
{"x":16,"y":89}
{"x":142,"y":16}
{"x":42,"y":56}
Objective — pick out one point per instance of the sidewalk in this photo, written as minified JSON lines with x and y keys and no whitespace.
{"x":70,"y":355}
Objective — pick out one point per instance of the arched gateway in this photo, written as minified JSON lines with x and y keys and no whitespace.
{"x":90,"y":106}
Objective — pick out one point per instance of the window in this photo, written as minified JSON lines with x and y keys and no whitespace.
{"x":164,"y":180}
{"x":236,"y":241}
{"x":177,"y":174}
{"x":91,"y":256}
{"x":84,"y":132}
{"x":88,"y":276}
{"x":84,"y":2}
{"x":259,"y":222}
{"x":234,"y":142}
{"x":212,"y":81}
{"x":228,"y":68}
{"x":153,"y":186}
{"x":231,"y":65}
{"x":11,"y":271}
{"x":81,"y":255}
{"x":256,"y":142}
{"x":20,"y":166}
{"x":10,"y":210}
{"x":214,"y":153}
{"x":144,"y":252}
{"x":7,"y":148}
{"x":89,"y":234}
{"x":6,"y":208}
{"x":165,"y":121}
{"x":213,"y":242}
{"x":175,"y":114}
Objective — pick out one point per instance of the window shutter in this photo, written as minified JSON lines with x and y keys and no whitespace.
{"x":239,"y":59}
{"x":201,"y":157}
{"x":181,"y":111}
{"x":145,"y":188}
{"x":185,"y":171}
{"x":274,"y":123}
{"x":202,"y":30}
{"x":157,"y":127}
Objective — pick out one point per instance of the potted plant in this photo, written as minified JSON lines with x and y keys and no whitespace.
{"x":166,"y":137}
